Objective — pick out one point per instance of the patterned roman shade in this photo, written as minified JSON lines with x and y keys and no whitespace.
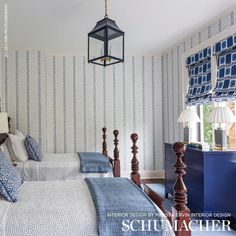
{"x":199,"y":70}
{"x":225,"y":52}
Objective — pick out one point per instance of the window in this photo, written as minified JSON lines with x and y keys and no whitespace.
{"x":222,"y":83}
{"x":207,"y":126}
{"x":199,"y":70}
{"x":206,"y":131}
{"x":231,"y":128}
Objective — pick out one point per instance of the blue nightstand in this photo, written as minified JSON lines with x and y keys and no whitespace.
{"x":210,"y":179}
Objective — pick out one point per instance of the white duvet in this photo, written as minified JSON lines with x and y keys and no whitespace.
{"x":51,"y":208}
{"x":57,"y":166}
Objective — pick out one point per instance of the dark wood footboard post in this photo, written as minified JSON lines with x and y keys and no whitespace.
{"x":180,"y":212}
{"x":116,"y":168}
{"x":135,"y":176}
{"x":104,"y":143}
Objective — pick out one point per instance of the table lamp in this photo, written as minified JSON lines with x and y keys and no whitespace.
{"x":4,"y":128}
{"x":220,"y":115}
{"x":188,"y":116}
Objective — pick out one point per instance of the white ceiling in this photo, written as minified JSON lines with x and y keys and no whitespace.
{"x":150,"y":26}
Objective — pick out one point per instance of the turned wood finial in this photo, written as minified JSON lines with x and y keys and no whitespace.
{"x":116,"y":155}
{"x":116,"y":143}
{"x":135,"y":176}
{"x":104,"y":143}
{"x":9,"y":123}
{"x":180,"y":190}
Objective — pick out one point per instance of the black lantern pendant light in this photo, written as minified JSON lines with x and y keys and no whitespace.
{"x":106,"y":42}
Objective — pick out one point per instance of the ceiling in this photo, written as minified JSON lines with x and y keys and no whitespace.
{"x":150,"y":26}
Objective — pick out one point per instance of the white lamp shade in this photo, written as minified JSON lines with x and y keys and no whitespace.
{"x":221,"y":115}
{"x":188,"y":115}
{"x":4,"y":128}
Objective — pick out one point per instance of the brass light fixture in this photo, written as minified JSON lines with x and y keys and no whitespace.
{"x":106,"y":42}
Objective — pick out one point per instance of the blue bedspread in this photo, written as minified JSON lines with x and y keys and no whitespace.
{"x":94,"y":162}
{"x":118,"y":203}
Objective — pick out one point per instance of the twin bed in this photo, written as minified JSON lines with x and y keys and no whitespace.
{"x":68,"y":166}
{"x":58,"y":208}
{"x":91,"y":206}
{"x":65,"y":166}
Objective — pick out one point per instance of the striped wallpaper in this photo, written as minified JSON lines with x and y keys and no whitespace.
{"x":23,"y":92}
{"x":63,"y":102}
{"x":174,"y":87}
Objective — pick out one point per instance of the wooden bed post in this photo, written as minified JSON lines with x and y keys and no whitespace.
{"x":180,"y":212}
{"x":9,"y":123}
{"x":135,"y":176}
{"x":104,"y":143}
{"x":116,"y":167}
{"x":3,"y":137}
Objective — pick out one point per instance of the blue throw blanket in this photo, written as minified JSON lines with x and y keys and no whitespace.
{"x":94,"y":162}
{"x":122,"y":207}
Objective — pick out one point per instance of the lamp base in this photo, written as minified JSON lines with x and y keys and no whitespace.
{"x":187,"y":134}
{"x":220,"y":139}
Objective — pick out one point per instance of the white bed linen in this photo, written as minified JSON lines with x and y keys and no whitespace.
{"x":49,"y":208}
{"x":56,"y":166}
{"x":52,"y":208}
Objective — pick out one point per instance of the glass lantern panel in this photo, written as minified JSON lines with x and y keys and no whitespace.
{"x":115,"y":47}
{"x":96,"y":47}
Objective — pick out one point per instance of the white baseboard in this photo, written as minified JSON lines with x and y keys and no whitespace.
{"x":146,"y":174}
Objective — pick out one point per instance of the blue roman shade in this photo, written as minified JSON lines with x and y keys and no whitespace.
{"x":199,"y":70}
{"x":225,"y":52}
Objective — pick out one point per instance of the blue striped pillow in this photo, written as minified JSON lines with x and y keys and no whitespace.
{"x":10,"y":180}
{"x":33,"y":149}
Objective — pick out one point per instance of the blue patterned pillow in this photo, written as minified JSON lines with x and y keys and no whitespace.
{"x":10,"y":180}
{"x":33,"y":149}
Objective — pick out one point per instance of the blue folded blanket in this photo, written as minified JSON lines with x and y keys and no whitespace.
{"x":94,"y":162}
{"x":123,"y":209}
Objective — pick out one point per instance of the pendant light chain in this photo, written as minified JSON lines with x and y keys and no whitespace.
{"x":106,"y":11}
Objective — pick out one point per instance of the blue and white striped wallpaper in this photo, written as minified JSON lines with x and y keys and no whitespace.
{"x":174,"y":89}
{"x":23,"y":92}
{"x":63,"y":102}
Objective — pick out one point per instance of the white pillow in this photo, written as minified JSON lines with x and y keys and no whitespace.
{"x":19,"y":134}
{"x":5,"y":150}
{"x":16,"y":148}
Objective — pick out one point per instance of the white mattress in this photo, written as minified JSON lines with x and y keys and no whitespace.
{"x":57,"y":166}
{"x":48,"y":208}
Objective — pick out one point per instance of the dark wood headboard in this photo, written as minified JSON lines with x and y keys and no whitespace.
{"x":4,"y":136}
